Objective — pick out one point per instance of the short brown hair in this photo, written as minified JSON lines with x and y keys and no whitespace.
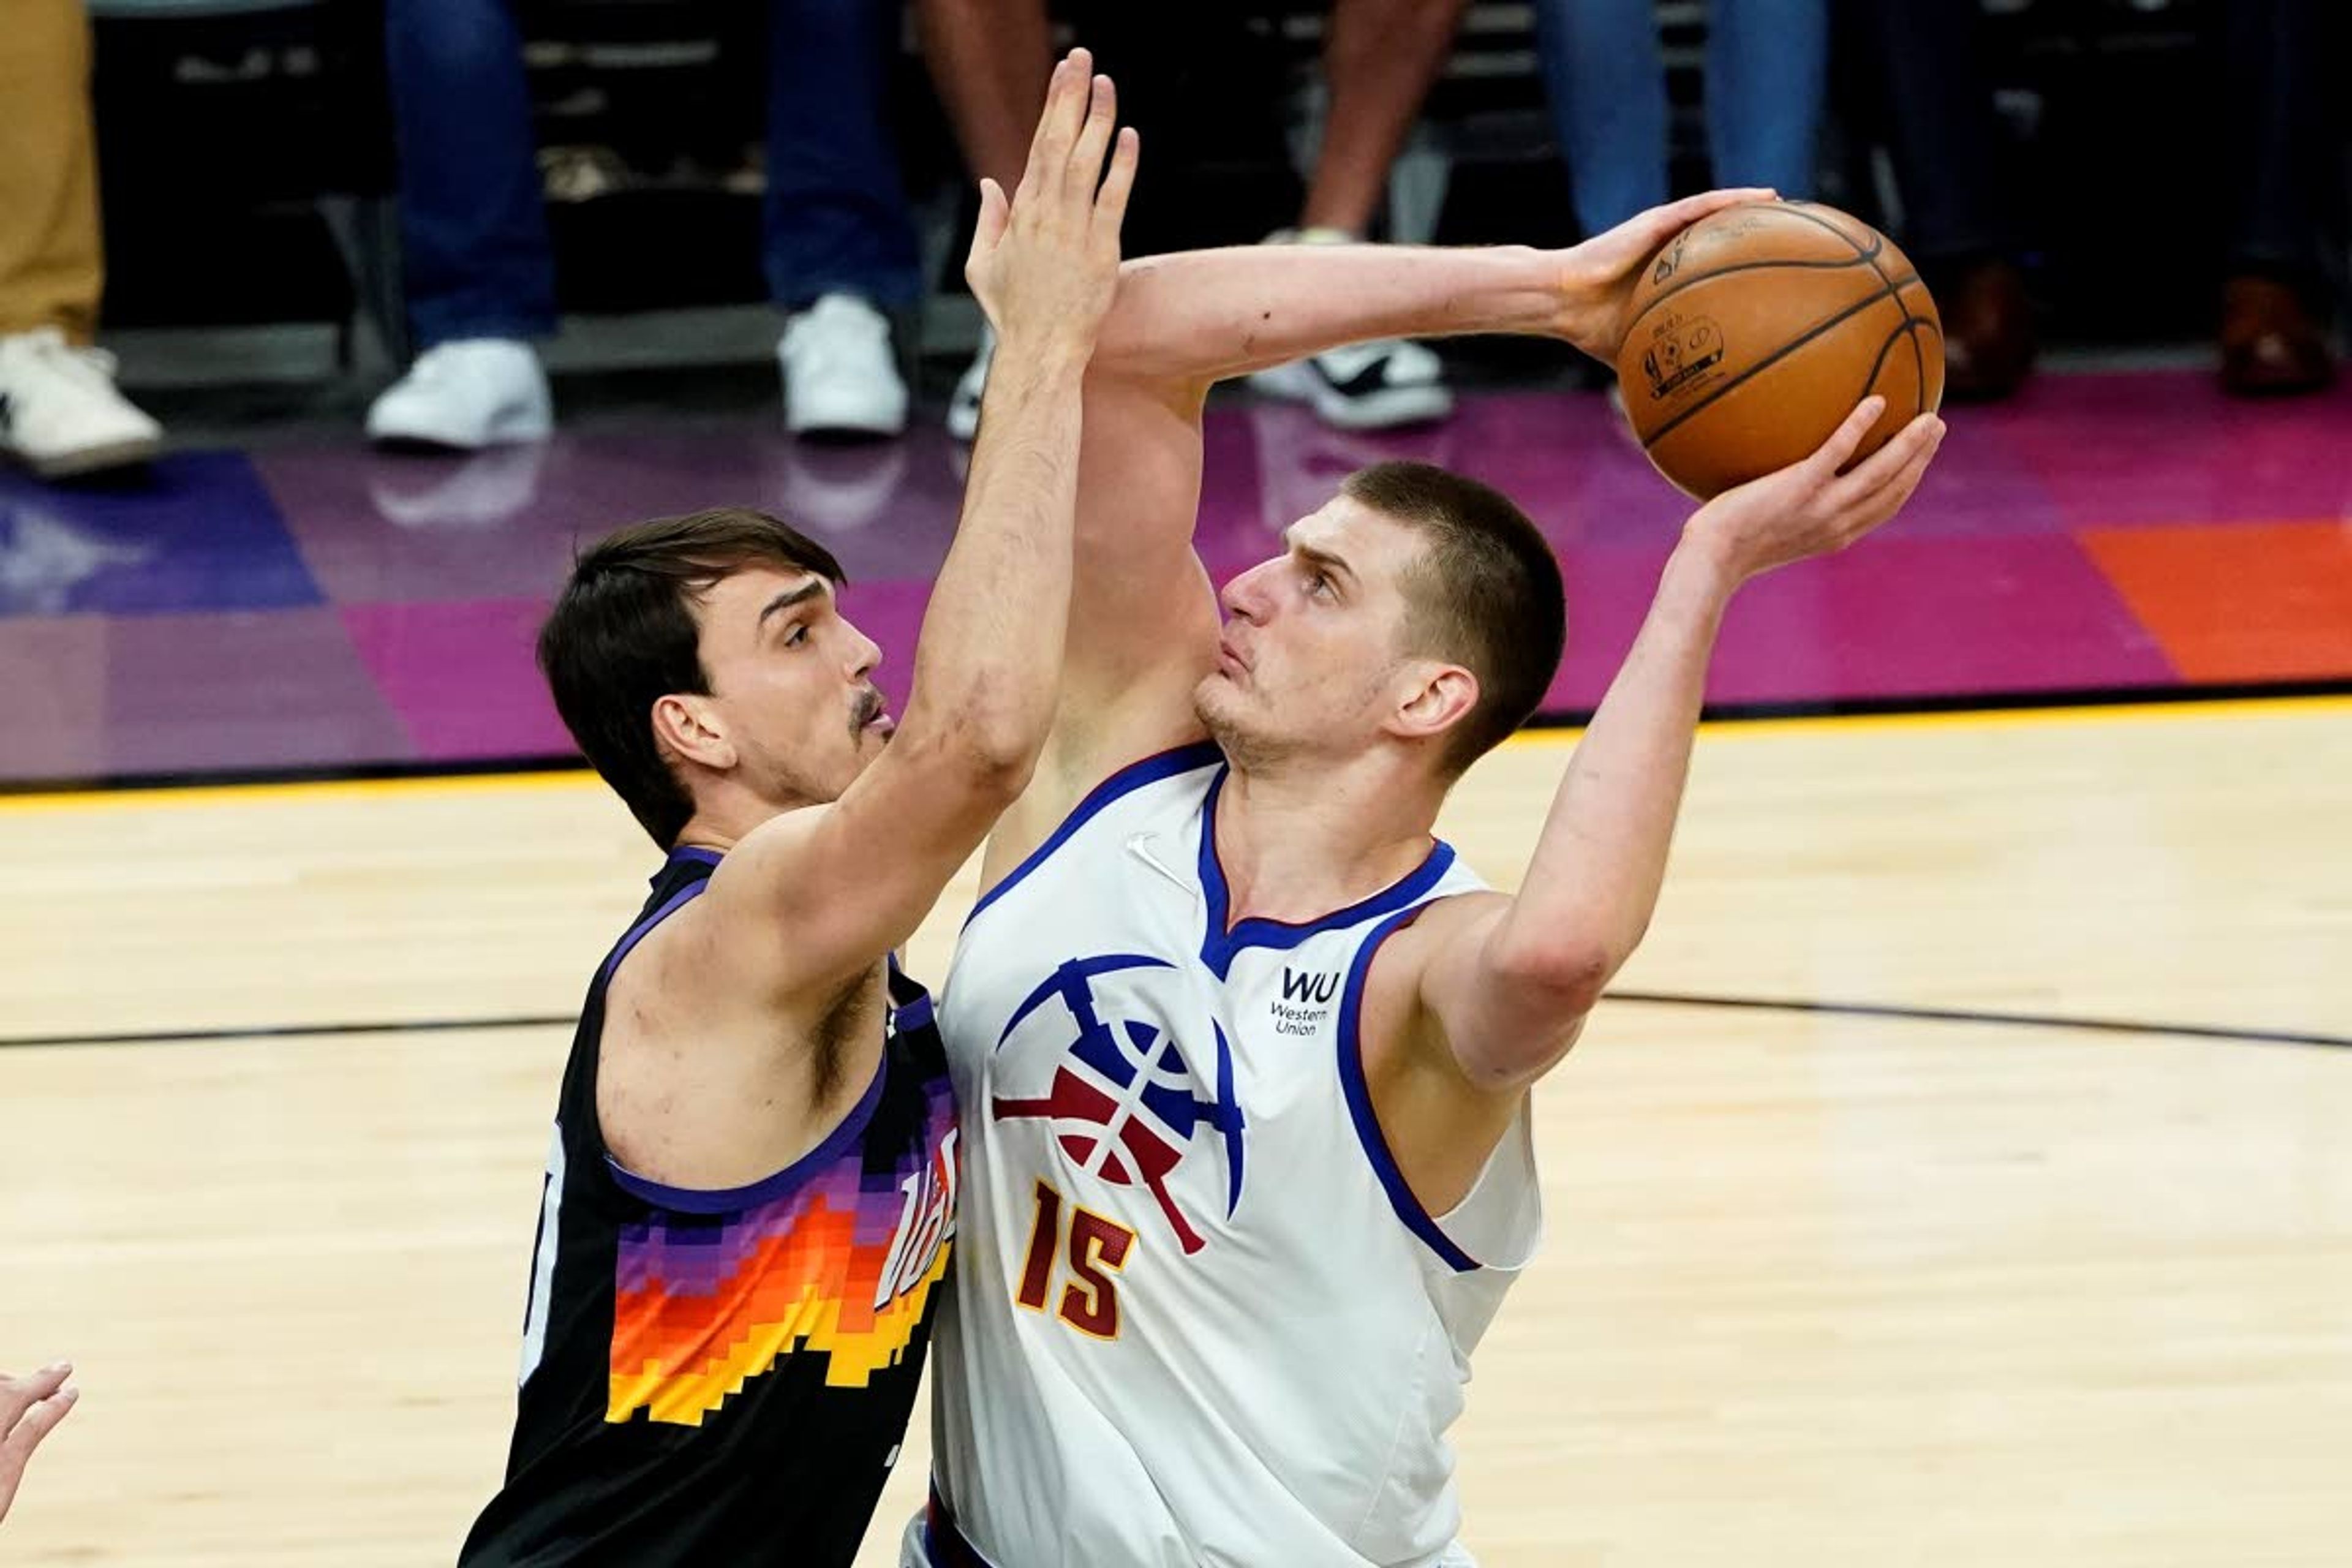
{"x":623,"y":635}
{"x":1485,"y":594}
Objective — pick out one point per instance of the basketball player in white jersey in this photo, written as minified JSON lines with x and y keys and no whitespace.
{"x":1242,"y":1053}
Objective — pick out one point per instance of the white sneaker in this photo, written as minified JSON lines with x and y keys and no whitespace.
{"x":963,"y":408}
{"x":475,"y":392}
{"x":840,"y":377}
{"x":1361,"y":386}
{"x":60,"y":411}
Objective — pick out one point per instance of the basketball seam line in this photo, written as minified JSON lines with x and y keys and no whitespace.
{"x":1909,"y":329}
{"x":1877,"y":247}
{"x":1918,"y":354}
{"x":1783,"y":352}
{"x":1663,"y":295}
{"x":1802,"y":209}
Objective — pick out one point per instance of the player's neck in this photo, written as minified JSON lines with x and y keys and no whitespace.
{"x":722,"y":820}
{"x":1294,"y":847}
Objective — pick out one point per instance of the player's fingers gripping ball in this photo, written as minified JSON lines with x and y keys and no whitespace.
{"x":1755,"y":331}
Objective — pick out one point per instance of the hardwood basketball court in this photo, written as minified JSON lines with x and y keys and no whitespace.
{"x":1883,"y":1285}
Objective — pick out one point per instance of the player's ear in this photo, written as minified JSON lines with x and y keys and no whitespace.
{"x":689,"y":727}
{"x":1432,"y":699}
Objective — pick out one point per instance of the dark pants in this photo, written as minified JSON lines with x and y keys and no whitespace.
{"x":1934,"y":88}
{"x":1605,"y":75}
{"x":474,"y":230}
{"x":2283,"y":146}
{"x":2279,"y":149}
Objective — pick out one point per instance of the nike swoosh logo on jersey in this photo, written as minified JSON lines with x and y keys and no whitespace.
{"x":1139,"y":845}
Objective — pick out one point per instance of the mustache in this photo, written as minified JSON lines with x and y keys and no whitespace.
{"x":869,"y":708}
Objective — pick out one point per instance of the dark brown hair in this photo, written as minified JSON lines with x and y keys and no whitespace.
{"x":623,"y":635}
{"x":1485,"y":594}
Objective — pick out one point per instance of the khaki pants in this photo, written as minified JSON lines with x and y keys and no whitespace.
{"x":50,"y":268}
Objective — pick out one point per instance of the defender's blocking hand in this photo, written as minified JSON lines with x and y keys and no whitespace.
{"x":1044,"y":263}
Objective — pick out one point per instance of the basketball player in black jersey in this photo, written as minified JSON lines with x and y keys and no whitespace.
{"x":751,"y":1190}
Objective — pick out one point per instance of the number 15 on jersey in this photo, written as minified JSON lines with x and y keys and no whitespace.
{"x":1096,"y":1249}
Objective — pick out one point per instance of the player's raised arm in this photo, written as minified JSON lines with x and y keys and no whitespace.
{"x":1143,"y":621}
{"x":1199,"y":317}
{"x":1044,"y":266}
{"x":1507,"y":981}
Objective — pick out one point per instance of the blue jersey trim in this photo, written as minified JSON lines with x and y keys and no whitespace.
{"x":638,"y":932}
{"x":943,"y":1543}
{"x":1127,"y":781}
{"x":1360,"y":1105}
{"x":767,"y":1189}
{"x":914,"y":1013}
{"x":1219,"y":947}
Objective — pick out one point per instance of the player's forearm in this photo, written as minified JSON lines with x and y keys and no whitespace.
{"x":1594,"y":883}
{"x":989,"y":664}
{"x":1204,"y":315}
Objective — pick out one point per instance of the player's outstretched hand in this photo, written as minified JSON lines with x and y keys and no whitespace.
{"x":1044,"y":264}
{"x":1809,"y":507}
{"x":31,"y":1408}
{"x":1597,"y":278}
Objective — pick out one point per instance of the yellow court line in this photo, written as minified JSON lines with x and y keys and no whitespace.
{"x":2154,"y":710}
{"x":274,"y":793}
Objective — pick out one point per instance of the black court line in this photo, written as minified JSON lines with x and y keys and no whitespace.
{"x":2005,"y":1020}
{"x":293,"y":1031}
{"x":1655,"y":998}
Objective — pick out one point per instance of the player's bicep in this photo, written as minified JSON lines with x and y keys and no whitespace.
{"x":1501,"y":1030}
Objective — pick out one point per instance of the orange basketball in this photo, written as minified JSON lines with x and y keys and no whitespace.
{"x":1756,"y":329}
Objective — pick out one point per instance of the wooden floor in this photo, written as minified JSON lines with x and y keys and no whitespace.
{"x":1821,"y":1287}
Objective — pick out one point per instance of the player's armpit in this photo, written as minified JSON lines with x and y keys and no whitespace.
{"x":1445,"y":1072}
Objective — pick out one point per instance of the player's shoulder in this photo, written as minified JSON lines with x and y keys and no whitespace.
{"x":1394,"y":963}
{"x":1053,"y":814}
{"x":1447,"y":914}
{"x":728,"y":928}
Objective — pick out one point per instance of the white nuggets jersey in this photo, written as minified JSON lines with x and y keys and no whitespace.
{"x":1198,"y":1317}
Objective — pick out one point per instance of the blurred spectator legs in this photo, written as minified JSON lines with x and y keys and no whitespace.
{"x":839,"y":244}
{"x":478,"y":272}
{"x":1606,"y":78}
{"x":2283,"y":154}
{"x":1379,"y":59}
{"x":989,"y":59}
{"x":1766,"y":73}
{"x":60,"y":411}
{"x":1924,"y":61}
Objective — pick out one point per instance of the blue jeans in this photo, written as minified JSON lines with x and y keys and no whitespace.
{"x":1767,"y":63}
{"x":473,"y":228}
